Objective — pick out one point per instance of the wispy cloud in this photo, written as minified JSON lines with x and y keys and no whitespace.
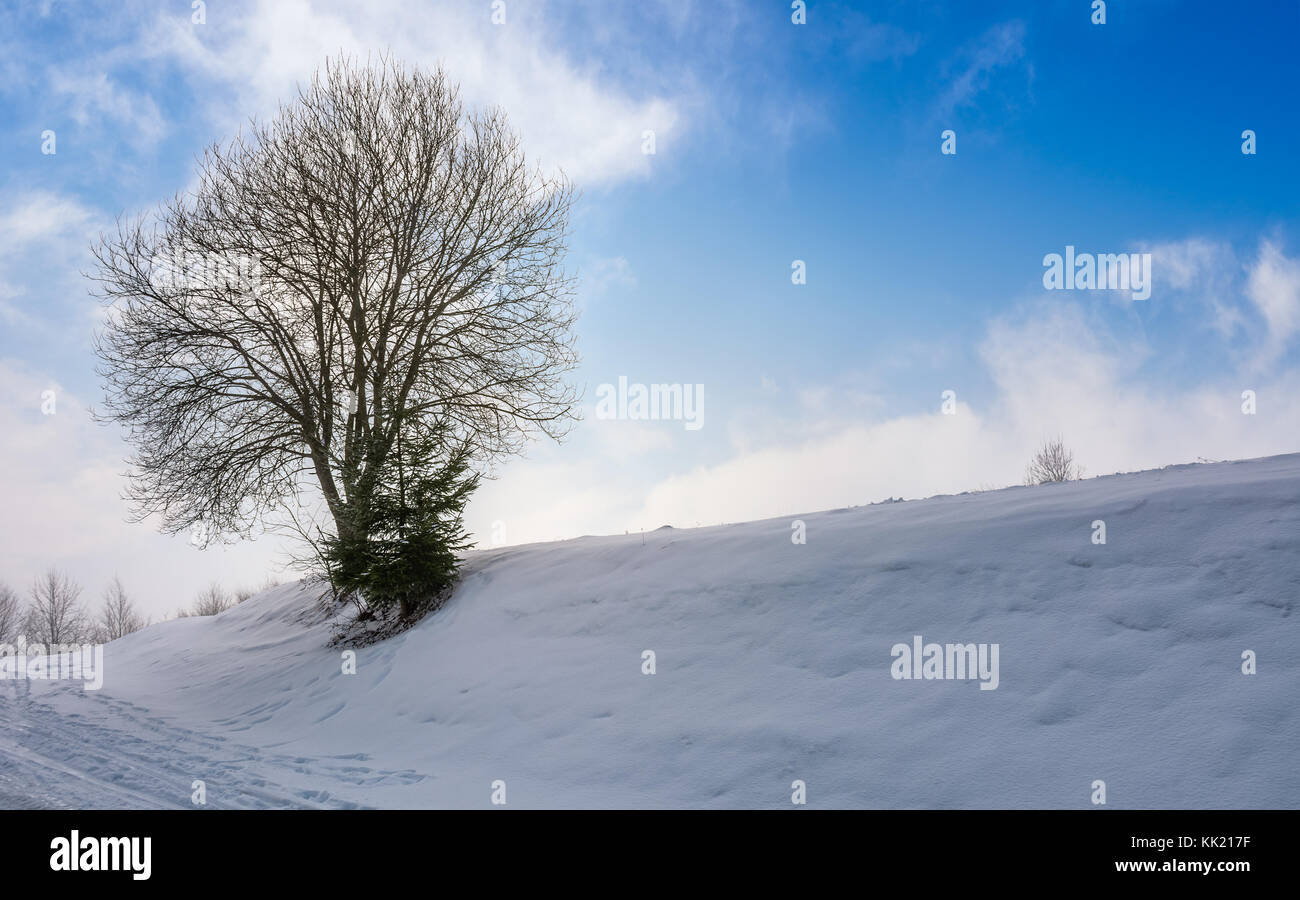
{"x":1274,"y":289}
{"x":1257,"y":298}
{"x":95,"y":99}
{"x":40,"y":217}
{"x":602,"y":276}
{"x":977,"y":65}
{"x":873,"y":41}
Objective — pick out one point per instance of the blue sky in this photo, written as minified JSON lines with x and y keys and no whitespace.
{"x":773,"y":142}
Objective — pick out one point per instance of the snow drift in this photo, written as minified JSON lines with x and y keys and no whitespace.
{"x":1119,"y":662}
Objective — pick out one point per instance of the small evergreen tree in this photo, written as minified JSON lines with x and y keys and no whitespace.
{"x":399,"y":550}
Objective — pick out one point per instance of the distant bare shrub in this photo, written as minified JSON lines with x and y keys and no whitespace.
{"x":118,"y":617}
{"x":56,"y":615}
{"x":211,"y":601}
{"x":1053,"y":462}
{"x":11,"y":613}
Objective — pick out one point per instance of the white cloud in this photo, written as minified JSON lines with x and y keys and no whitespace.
{"x":1265,"y":303}
{"x":544,"y":501}
{"x":1055,"y":372}
{"x":567,"y":117}
{"x":627,"y":439}
{"x":1204,"y":269}
{"x":1190,"y":264}
{"x":46,"y":244}
{"x":1055,"y":375}
{"x":63,"y":508}
{"x":1274,"y":289}
{"x":42,"y":217}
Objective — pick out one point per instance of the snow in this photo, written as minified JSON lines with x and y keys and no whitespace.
{"x":1120,"y":662}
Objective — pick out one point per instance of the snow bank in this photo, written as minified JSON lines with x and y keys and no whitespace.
{"x":1119,"y":662}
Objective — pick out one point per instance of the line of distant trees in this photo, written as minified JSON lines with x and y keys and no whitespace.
{"x":54,"y":613}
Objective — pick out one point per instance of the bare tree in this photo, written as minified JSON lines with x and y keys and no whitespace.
{"x":1052,"y":462}
{"x":118,"y":616}
{"x":212,"y":600}
{"x":373,"y":262}
{"x":56,"y":615}
{"x":11,"y":613}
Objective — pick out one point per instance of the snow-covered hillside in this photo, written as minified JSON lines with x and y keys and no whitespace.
{"x":1119,"y":662}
